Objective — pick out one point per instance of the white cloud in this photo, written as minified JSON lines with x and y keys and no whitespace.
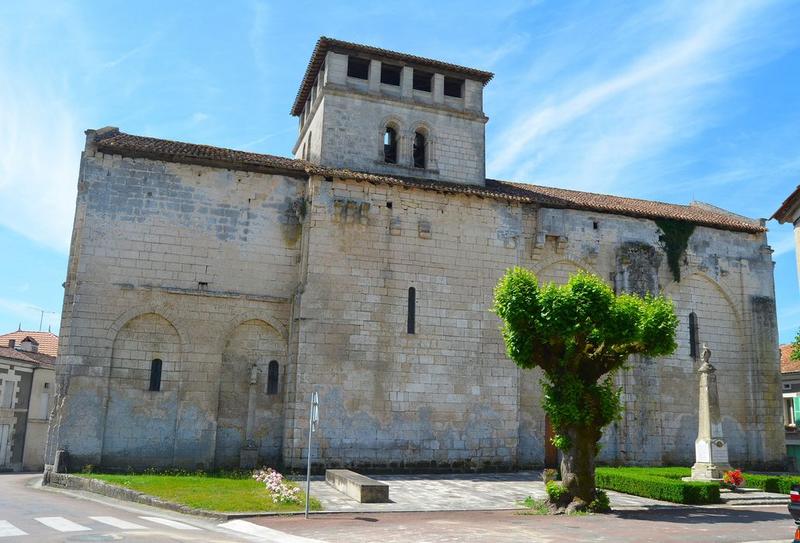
{"x":39,"y":158}
{"x":587,"y":128}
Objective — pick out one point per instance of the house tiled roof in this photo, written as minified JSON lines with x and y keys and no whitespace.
{"x":39,"y":359}
{"x":787,"y":364}
{"x":111,"y":140}
{"x":48,"y":342}
{"x":325,"y":44}
{"x":783,"y":214}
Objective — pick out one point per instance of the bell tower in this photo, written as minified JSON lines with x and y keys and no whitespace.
{"x":373,"y":110}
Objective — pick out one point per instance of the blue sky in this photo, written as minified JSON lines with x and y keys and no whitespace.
{"x":672,"y":101}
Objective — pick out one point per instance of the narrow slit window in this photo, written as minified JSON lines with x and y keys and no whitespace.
{"x":422,"y":81}
{"x":694,"y":350}
{"x":453,"y":87}
{"x":358,"y":67}
{"x":419,"y":150}
{"x":390,"y":75}
{"x":155,"y":375}
{"x":390,"y":145}
{"x":272,"y":377}
{"x":412,"y":310}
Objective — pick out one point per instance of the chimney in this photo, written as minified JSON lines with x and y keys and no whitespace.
{"x":12,"y":343}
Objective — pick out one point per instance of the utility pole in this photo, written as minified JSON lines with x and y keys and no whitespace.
{"x":313,"y":420}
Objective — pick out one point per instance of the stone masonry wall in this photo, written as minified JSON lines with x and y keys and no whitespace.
{"x":214,"y":270}
{"x":192,"y":265}
{"x":448,"y":395}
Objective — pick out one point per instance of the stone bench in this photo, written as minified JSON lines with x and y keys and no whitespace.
{"x":360,"y":488}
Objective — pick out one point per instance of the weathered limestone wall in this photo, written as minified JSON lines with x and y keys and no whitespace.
{"x":192,"y":265}
{"x":345,"y":119}
{"x":445,"y":394}
{"x":448,"y":394}
{"x":214,"y":270}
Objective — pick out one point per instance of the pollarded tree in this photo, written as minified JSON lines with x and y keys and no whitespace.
{"x":579,"y":334}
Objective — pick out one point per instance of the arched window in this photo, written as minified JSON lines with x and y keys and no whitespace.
{"x":272,"y":377}
{"x":412,"y":311}
{"x":390,"y":145}
{"x":419,"y":150}
{"x":155,"y":375}
{"x":694,"y":345}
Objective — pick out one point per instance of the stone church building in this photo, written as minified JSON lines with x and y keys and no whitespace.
{"x":210,"y":291}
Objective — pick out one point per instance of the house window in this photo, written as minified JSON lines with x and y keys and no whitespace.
{"x":7,"y":394}
{"x":419,"y":150}
{"x":453,"y":87}
{"x":788,"y":412}
{"x":272,"y":377}
{"x":412,"y":311}
{"x":694,"y":350}
{"x":390,"y":145}
{"x":155,"y":375}
{"x":358,"y":67}
{"x":422,"y":80}
{"x":390,"y":75}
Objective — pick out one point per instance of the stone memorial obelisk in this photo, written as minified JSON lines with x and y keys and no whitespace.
{"x":710,"y":447}
{"x":248,"y":454}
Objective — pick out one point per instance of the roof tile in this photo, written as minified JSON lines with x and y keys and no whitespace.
{"x":116,"y":142}
{"x":48,"y":341}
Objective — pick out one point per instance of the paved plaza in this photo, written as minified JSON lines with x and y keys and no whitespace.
{"x":458,"y":492}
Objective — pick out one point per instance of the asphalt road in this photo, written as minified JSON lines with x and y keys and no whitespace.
{"x":29,"y":513}
{"x":672,"y":525}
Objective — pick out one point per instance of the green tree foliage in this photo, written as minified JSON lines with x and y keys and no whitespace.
{"x":580,"y":334}
{"x":795,"y":354}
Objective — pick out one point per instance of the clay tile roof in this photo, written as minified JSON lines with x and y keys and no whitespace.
{"x":784,"y":213}
{"x":787,"y":364}
{"x":111,"y":140}
{"x":48,"y":342}
{"x":325,"y":44}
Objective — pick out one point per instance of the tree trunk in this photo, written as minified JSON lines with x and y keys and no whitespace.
{"x":577,"y":463}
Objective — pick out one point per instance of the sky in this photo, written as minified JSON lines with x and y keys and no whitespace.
{"x":673,"y":101}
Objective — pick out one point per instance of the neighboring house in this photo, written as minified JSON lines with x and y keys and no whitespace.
{"x":27,"y":380}
{"x":47,"y":341}
{"x":209,"y":291}
{"x":790,"y":377}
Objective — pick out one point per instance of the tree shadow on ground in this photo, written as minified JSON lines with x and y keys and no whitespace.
{"x":699,"y":515}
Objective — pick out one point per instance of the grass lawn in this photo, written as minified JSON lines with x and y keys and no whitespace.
{"x":226,"y":494}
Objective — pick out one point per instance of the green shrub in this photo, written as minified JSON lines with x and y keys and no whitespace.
{"x":600,"y":503}
{"x":780,"y":484}
{"x":657,"y":483}
{"x":555,"y":491}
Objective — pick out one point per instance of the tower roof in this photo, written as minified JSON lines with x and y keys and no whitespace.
{"x":325,"y":44}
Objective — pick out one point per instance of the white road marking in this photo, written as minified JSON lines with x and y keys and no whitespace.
{"x":267,"y":534}
{"x":118,"y":523}
{"x":9,"y":530}
{"x":62,"y":525}
{"x":171,"y":523}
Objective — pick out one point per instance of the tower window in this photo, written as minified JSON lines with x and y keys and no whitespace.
{"x":412,"y":310}
{"x":358,"y":67}
{"x":453,"y":87}
{"x":419,"y":150}
{"x":422,"y":80}
{"x":272,"y":377}
{"x":694,"y":350}
{"x":390,"y":145}
{"x":390,"y":75}
{"x":155,"y":375}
